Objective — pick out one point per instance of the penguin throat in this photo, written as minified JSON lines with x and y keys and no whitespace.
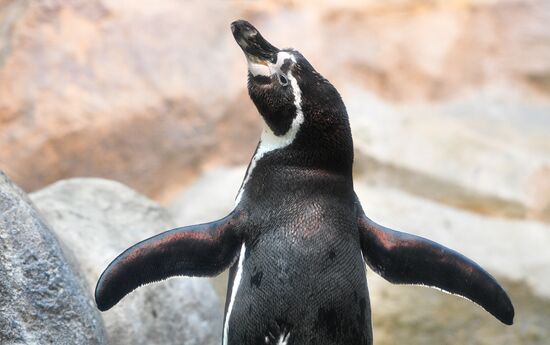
{"x":269,"y":141}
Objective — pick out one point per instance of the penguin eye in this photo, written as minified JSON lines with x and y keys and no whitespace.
{"x":282,"y":80}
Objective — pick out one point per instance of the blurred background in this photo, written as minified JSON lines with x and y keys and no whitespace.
{"x":449,"y":103}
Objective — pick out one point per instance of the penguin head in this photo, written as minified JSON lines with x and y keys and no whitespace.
{"x":295,"y":101}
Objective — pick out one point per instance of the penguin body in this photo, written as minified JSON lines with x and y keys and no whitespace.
{"x":298,"y":240}
{"x":302,"y":276}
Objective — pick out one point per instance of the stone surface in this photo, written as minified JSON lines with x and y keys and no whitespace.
{"x":216,"y":189}
{"x":480,"y":153}
{"x":416,"y":50}
{"x":455,"y":94}
{"x":98,"y":219}
{"x":515,"y":251}
{"x":126,"y":90}
{"x":421,"y":316}
{"x":42,"y":300}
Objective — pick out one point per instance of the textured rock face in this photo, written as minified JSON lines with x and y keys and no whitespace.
{"x":418,"y":316}
{"x":414,"y":50}
{"x":42,"y":301}
{"x":454,"y":93}
{"x":458,"y":154}
{"x":126,"y":89}
{"x":187,"y":208}
{"x":514,"y":251}
{"x":98,"y":219}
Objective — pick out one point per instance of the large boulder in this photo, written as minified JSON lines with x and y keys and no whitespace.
{"x":514,"y":251}
{"x":42,"y":300}
{"x":98,"y":219}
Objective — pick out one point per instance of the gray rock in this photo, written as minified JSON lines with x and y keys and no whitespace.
{"x":42,"y":300}
{"x":194,"y":205}
{"x":97,"y":219}
{"x":515,"y":252}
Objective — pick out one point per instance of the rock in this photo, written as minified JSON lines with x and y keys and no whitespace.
{"x":124,"y":90}
{"x":149,"y":93}
{"x":444,"y":153}
{"x":389,"y":47}
{"x":42,"y":300}
{"x":98,"y":219}
{"x":416,"y":315}
{"x":210,"y":197}
{"x":514,"y":251}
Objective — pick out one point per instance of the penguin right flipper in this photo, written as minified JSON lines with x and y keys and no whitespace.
{"x":197,"y":250}
{"x":403,"y":258}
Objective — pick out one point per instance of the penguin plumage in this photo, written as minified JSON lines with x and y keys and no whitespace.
{"x":298,"y":240}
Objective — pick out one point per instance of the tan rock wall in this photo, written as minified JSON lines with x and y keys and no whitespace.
{"x":453,"y":93}
{"x":126,"y":90}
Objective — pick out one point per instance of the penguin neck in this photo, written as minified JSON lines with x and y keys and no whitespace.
{"x":318,"y":137}
{"x":307,"y":148}
{"x":270,"y":142}
{"x":287,"y":150}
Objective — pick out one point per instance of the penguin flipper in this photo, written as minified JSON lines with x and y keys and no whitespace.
{"x":196,"y":250}
{"x":403,"y":258}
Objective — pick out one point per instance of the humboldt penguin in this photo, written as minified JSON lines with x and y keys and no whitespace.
{"x":298,"y":242}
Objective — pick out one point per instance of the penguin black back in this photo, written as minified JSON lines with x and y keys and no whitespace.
{"x":298,"y":240}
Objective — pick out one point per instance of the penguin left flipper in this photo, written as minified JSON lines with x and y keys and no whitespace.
{"x":197,"y":250}
{"x":403,"y":258}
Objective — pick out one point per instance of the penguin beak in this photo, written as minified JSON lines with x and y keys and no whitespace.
{"x":254,"y":46}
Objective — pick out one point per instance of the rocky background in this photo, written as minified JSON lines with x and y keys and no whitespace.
{"x":450,"y":107}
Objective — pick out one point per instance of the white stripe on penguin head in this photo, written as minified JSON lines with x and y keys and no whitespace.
{"x":269,"y":141}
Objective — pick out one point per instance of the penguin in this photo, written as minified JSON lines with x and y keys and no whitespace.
{"x":298,"y":242}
